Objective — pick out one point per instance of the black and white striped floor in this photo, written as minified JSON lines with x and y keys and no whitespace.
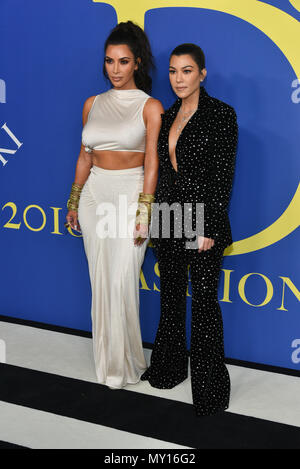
{"x":50,"y":399}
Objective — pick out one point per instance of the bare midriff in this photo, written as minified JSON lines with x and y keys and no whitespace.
{"x":117,"y":159}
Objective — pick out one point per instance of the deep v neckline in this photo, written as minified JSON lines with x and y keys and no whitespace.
{"x":182,"y":130}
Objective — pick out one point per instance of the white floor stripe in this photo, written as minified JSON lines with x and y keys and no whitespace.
{"x":42,"y":430}
{"x":256,"y":393}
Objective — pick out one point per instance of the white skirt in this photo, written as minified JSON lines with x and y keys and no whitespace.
{"x":106,"y":210}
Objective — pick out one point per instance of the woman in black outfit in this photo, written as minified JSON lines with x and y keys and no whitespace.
{"x":197,"y":149}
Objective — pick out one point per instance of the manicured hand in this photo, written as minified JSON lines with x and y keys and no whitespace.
{"x":204,"y":243}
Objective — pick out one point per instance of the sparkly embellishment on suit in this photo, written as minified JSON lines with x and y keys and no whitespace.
{"x":205,"y":154}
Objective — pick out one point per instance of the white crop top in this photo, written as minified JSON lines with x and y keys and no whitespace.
{"x":115,"y":121}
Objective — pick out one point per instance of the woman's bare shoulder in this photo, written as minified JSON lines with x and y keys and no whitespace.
{"x":88,"y":103}
{"x":153,"y":106}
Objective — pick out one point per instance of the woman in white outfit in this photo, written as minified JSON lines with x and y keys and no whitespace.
{"x":116,"y":173}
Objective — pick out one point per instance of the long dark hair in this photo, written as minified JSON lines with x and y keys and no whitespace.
{"x":193,"y":50}
{"x":136,"y":39}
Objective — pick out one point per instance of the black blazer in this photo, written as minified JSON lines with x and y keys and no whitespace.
{"x":205,"y":153}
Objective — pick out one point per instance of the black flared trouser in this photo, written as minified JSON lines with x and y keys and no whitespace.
{"x":169,"y":360}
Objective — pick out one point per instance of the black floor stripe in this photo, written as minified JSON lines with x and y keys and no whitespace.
{"x":42,"y":325}
{"x":146,"y":415}
{"x":6,"y":445}
{"x":148,"y":345}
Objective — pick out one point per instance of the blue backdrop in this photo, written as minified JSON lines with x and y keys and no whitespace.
{"x":50,"y":62}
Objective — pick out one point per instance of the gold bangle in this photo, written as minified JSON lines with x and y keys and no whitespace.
{"x":73,"y":201}
{"x":72,"y":206}
{"x":143,"y":213}
{"x":147,"y":198}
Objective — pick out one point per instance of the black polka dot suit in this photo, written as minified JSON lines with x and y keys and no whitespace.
{"x":205,"y":153}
